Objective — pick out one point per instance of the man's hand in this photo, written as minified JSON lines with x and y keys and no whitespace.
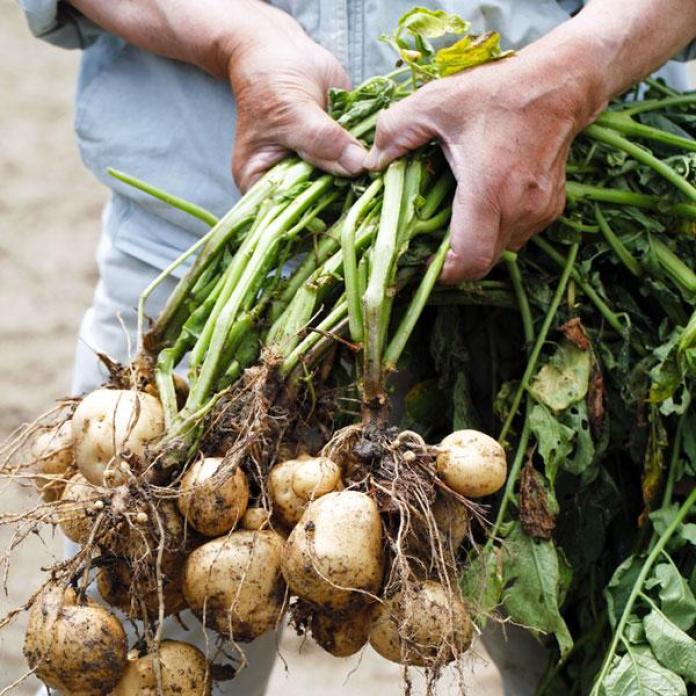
{"x":280,"y":79}
{"x":506,"y":127}
{"x":279,"y":76}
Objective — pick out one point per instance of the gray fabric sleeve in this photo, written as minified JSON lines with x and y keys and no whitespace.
{"x":59,"y":23}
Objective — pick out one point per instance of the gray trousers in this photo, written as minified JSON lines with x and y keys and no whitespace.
{"x":109,"y":325}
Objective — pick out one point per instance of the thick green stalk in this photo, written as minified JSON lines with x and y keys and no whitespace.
{"x":257,"y":266}
{"x":609,"y":137}
{"x":436,"y":195}
{"x":623,"y":123}
{"x":436,"y":222}
{"x":350,"y":264}
{"x":577,"y":192}
{"x":616,"y":244}
{"x":657,"y":104}
{"x":326,"y":326}
{"x":671,"y":264}
{"x":382,"y":262}
{"x":415,"y":308}
{"x":287,"y":173}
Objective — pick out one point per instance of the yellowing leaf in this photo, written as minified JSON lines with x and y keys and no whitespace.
{"x":433,"y":23}
{"x":468,"y":52}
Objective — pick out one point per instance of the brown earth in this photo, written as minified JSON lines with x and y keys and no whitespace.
{"x":49,"y":223}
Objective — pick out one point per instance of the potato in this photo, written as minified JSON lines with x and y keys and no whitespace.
{"x":255,"y":518}
{"x":315,"y":477}
{"x":452,"y":519}
{"x":211,"y":502}
{"x":52,"y":460}
{"x":471,"y":463}
{"x":287,"y":505}
{"x":109,"y":423}
{"x":236,"y":582}
{"x":184,"y":671}
{"x":342,"y":634}
{"x":75,"y":515}
{"x":428,"y":627}
{"x":115,"y":581}
{"x":336,"y":549}
{"x":75,"y":649}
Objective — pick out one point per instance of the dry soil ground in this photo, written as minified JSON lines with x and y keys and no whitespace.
{"x":49,"y":221}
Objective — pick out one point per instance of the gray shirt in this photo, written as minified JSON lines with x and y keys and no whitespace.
{"x":173,"y":125}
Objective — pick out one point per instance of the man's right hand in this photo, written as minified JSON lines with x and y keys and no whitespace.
{"x":279,"y":76}
{"x":280,"y":79}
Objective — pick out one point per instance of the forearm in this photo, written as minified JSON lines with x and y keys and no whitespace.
{"x":204,"y":33}
{"x":611,"y":44}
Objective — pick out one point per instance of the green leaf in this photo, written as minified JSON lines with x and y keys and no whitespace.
{"x":534,"y":582}
{"x":576,"y":419}
{"x":677,"y":601}
{"x":432,"y":23}
{"x":469,"y":52}
{"x":620,"y":587}
{"x":684,"y":534}
{"x":638,"y":673}
{"x":553,"y":439}
{"x":564,"y":379}
{"x":481,"y":583}
{"x":672,"y":647}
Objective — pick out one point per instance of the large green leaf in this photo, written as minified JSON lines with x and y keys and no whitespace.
{"x":564,"y":379}
{"x":677,"y":601}
{"x":481,"y":583}
{"x":553,"y":439}
{"x":534,"y":581}
{"x":620,"y":587}
{"x":638,"y":673}
{"x":672,"y":647}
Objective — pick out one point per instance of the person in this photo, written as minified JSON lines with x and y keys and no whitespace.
{"x":175,"y":92}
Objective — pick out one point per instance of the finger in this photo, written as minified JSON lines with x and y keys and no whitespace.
{"x":401,"y":128}
{"x":318,"y":139}
{"x":249,"y":163}
{"x":476,"y":241}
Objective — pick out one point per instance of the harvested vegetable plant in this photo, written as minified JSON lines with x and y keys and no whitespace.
{"x":312,"y":427}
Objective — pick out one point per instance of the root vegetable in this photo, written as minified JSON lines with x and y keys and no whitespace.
{"x":109,"y":424}
{"x":425,"y":627}
{"x":334,"y":554}
{"x":342,"y":634}
{"x":255,"y":518}
{"x":287,"y":505}
{"x":472,"y":463}
{"x":213,"y":502}
{"x":77,"y":649}
{"x":115,"y":583}
{"x":315,"y":477}
{"x":452,"y":519}
{"x":184,"y":671}
{"x":234,"y":584}
{"x":76,"y":512}
{"x":52,"y":458}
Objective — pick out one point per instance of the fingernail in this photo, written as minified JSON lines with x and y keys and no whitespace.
{"x":352,"y":159}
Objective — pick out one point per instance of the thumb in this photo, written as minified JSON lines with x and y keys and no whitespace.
{"x":401,"y":128}
{"x":317,"y":138}
{"x":476,"y":239}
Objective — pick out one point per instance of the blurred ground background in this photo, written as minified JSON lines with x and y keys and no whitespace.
{"x":49,"y":223}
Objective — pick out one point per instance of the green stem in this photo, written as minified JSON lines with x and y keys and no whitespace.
{"x":436,"y":222}
{"x":382,"y":263}
{"x":616,"y":244}
{"x":350,"y":264}
{"x":677,"y":270}
{"x":623,"y":123}
{"x":611,"y":317}
{"x":174,"y":201}
{"x":436,"y":195}
{"x":657,"y":550}
{"x":655,"y":104}
{"x":568,"y":264}
{"x":415,"y":308}
{"x":609,"y":137}
{"x":257,"y":266}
